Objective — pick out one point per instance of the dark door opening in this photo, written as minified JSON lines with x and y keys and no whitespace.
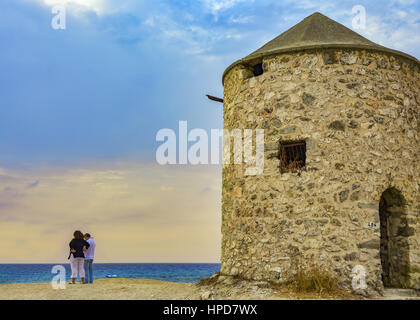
{"x":394,"y":249}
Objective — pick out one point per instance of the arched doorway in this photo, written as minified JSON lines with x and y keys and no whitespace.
{"x":394,"y":250}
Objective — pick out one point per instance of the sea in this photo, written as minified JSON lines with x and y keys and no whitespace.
{"x":174,"y":272}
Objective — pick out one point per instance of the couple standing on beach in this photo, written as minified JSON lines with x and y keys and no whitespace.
{"x":82,"y":252}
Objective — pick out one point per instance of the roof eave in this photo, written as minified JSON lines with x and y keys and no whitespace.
{"x":255,"y":56}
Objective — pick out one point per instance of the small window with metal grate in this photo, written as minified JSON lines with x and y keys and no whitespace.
{"x":292,"y":156}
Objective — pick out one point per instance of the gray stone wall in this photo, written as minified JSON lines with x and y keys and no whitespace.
{"x":359,"y":113}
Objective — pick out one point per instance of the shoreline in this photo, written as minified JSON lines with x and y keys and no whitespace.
{"x":173,"y":272}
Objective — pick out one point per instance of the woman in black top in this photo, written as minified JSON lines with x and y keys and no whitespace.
{"x":77,"y":257}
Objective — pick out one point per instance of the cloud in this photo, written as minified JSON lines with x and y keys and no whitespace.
{"x":9,"y":196}
{"x":211,"y":189}
{"x":99,"y":7}
{"x":404,"y":2}
{"x":8,"y":193}
{"x":315,"y":5}
{"x":33,"y":184}
{"x":241,"y":19}
{"x":393,"y":33}
{"x":172,"y":33}
{"x":216,"y":6}
{"x":78,"y":6}
{"x":143,"y":204}
{"x":191,"y":38}
{"x":167,"y":188}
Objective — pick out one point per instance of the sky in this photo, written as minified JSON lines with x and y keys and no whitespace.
{"x":80,"y":109}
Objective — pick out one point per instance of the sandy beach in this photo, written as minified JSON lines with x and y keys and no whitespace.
{"x":134,"y":289}
{"x":139,"y":289}
{"x":146,"y":289}
{"x":101,"y":289}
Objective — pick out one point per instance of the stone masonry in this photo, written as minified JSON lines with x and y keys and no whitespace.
{"x":358,"y":111}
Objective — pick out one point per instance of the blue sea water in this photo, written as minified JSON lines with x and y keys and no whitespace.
{"x":175,"y":272}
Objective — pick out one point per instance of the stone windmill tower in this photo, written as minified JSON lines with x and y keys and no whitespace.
{"x":341,"y":181}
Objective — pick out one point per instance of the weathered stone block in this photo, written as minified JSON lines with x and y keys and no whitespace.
{"x":370,"y":244}
{"x":348,"y":60}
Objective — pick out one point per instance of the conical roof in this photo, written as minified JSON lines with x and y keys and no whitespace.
{"x":314,"y":32}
